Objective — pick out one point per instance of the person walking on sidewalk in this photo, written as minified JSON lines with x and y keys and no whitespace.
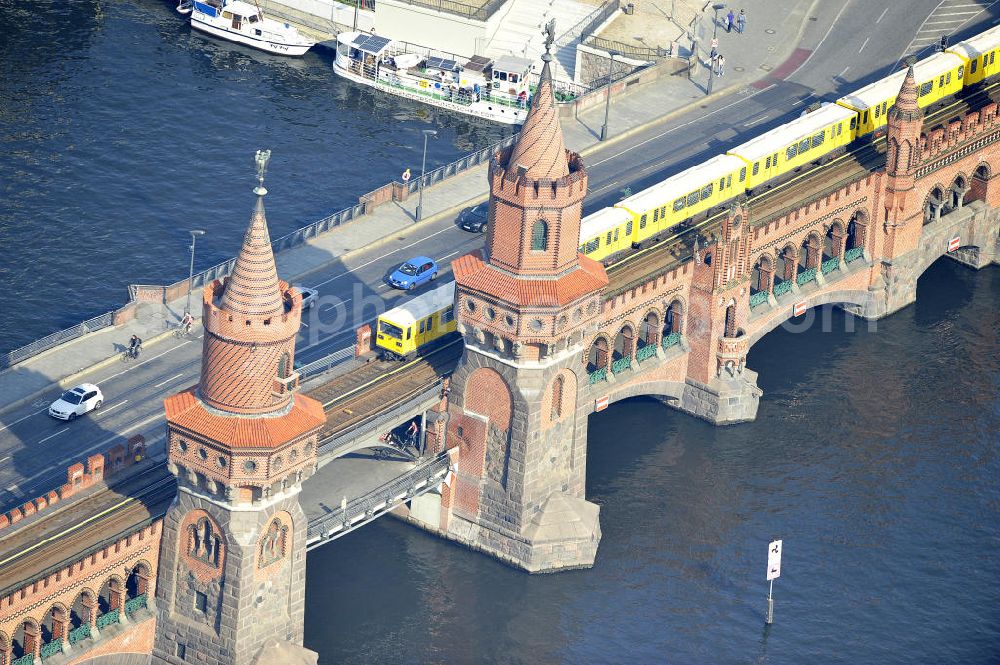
{"x":729,"y":21}
{"x":715,"y":48}
{"x":741,"y":22}
{"x":722,"y":65}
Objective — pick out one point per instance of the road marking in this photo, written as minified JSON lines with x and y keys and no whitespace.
{"x":35,"y":413}
{"x":140,"y":364}
{"x":452,"y":254}
{"x":882,"y":15}
{"x":841,"y":74}
{"x":755,"y":122}
{"x":165,"y":381}
{"x":816,"y":48}
{"x":64,"y":429}
{"x":12,"y":489}
{"x":5,"y":459}
{"x":864,"y":45}
{"x":378,"y":258}
{"x":114,"y":406}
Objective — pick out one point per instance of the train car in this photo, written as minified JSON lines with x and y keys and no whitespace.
{"x":404,"y":329}
{"x":605,"y":232}
{"x":803,"y":140}
{"x":938,"y":76}
{"x":683,"y":195}
{"x":980,"y":55}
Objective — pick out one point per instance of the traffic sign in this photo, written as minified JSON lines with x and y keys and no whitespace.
{"x":601,"y":403}
{"x":799,"y":309}
{"x":774,"y":560}
{"x":954,"y":243}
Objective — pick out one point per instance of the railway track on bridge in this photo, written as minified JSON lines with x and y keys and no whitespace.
{"x":784,"y":196}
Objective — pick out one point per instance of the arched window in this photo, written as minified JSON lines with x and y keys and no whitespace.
{"x":283,"y":366}
{"x":539,"y":236}
{"x":557,"y":395}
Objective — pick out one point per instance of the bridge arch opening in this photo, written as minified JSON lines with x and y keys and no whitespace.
{"x":54,"y":623}
{"x":25,"y":639}
{"x":673,"y":321}
{"x":624,"y":343}
{"x":82,"y":609}
{"x":649,"y":329}
{"x":138,"y":581}
{"x":598,"y":357}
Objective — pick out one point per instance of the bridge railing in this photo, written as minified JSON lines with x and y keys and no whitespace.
{"x":385,"y":420}
{"x":325,"y":364}
{"x":363,"y":509}
{"x":55,"y":339}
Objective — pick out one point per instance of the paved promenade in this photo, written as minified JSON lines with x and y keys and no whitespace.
{"x":766,"y":50}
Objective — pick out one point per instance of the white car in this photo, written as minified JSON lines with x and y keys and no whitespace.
{"x":308,"y":296}
{"x":76,"y":402}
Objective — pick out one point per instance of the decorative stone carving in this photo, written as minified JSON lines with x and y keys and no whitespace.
{"x":517,"y":349}
{"x":479,"y":335}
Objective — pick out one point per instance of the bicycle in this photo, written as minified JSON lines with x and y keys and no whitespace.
{"x":181,"y":330}
{"x":129,"y":355}
{"x":397,"y":445}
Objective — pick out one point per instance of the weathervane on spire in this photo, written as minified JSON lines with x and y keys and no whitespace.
{"x":261,"y":158}
{"x":550,"y":36}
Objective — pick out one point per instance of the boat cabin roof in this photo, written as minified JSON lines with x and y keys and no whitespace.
{"x":369,"y":43}
{"x":478,"y":63}
{"x":511,"y":63}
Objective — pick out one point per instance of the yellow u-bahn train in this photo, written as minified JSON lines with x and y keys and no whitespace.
{"x":417,"y":322}
{"x":814,"y":136}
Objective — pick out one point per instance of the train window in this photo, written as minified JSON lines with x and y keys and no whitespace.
{"x":421,"y":327}
{"x":628,"y":227}
{"x":642,"y":222}
{"x":791,"y":151}
{"x":803,"y":145}
{"x":818,"y":139}
{"x":992,"y":55}
{"x":972,"y":66}
{"x":722,"y":184}
{"x":925,"y":88}
{"x":756,"y":167}
{"x":582,"y":248}
{"x":774,"y":159}
{"x":692,"y":198}
{"x":409,"y":332}
{"x":607,"y":241}
{"x":743,"y":174}
{"x":707,"y":191}
{"x":656,"y":216}
{"x":864,"y":118}
{"x":941,"y":81}
{"x":854,"y":122}
{"x":961,"y":71}
{"x":448,"y":315}
{"x":947,"y":78}
{"x":616,"y":235}
{"x":663,"y":212}
{"x":840,"y":128}
{"x":679,"y":204}
{"x":430,"y":323}
{"x":878,"y":110}
{"x":767,"y":163}
{"x":729,"y":180}
{"x":386,"y":328}
{"x":592,"y":246}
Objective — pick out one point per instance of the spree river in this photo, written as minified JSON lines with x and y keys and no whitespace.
{"x":874,"y":455}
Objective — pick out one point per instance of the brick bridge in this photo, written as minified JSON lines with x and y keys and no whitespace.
{"x":549,"y":338}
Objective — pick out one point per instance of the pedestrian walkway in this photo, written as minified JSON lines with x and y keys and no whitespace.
{"x":765,"y":50}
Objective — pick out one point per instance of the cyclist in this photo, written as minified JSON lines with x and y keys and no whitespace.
{"x":411,"y":433}
{"x":134,"y":347}
{"x":187,"y":322}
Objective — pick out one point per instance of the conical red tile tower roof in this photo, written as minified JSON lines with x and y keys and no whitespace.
{"x":906,"y":107}
{"x":253,"y":286}
{"x":540,"y":148}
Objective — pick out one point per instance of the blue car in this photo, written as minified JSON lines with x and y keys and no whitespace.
{"x":418,"y":270}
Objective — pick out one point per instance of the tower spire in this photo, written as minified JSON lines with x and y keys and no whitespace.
{"x":906,"y":107}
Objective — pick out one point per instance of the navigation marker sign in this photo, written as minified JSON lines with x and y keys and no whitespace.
{"x":774,"y":560}
{"x":773,"y":571}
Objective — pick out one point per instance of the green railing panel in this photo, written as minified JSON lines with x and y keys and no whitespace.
{"x":26,"y":659}
{"x":647,"y":351}
{"x":598,"y":375}
{"x":134,"y":604}
{"x":621,"y":365}
{"x":81,"y":633}
{"x":830,"y":265}
{"x":758,"y":298}
{"x":107,"y":619}
{"x":852,"y":254}
{"x":673,"y":339}
{"x":51,"y":649}
{"x":806,"y":276}
{"x":782,"y":288}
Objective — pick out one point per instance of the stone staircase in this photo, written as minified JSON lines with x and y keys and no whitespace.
{"x":520,"y":32}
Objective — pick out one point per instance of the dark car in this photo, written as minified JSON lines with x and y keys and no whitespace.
{"x":474,"y":218}
{"x":413,"y":273}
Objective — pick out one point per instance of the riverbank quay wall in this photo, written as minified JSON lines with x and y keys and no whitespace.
{"x":678,"y":322}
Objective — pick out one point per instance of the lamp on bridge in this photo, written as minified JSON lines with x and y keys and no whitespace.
{"x":194,"y":237}
{"x":607,"y":104}
{"x":423,"y":166}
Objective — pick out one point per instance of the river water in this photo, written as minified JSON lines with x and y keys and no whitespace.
{"x":120,"y":129}
{"x":874,"y":455}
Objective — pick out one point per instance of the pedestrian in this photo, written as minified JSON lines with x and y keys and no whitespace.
{"x":722,"y":65}
{"x":715,"y":62}
{"x":715,"y":48}
{"x":411,"y":433}
{"x":729,"y":21}
{"x":741,"y":22}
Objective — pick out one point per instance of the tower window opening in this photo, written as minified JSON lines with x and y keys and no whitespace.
{"x":539,"y":236}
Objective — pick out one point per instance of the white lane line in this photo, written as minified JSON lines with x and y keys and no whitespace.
{"x":836,"y":18}
{"x":34,"y":413}
{"x":864,"y":45}
{"x":12,"y":489}
{"x":841,"y":74}
{"x":452,"y":254}
{"x":882,"y":15}
{"x":63,"y":430}
{"x":165,"y":381}
{"x":378,"y":258}
{"x":140,"y":364}
{"x":114,"y":406}
{"x":4,"y":459}
{"x":100,"y":445}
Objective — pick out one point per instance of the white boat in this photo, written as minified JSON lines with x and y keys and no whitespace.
{"x":244,"y":23}
{"x":185,"y":6}
{"x":496,"y":90}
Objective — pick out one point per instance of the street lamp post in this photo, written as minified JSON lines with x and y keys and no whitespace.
{"x":715,"y":34}
{"x":715,"y":26}
{"x":194,"y":237}
{"x":423,"y":166}
{"x":607,"y":103}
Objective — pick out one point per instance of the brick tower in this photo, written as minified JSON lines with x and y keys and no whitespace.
{"x":232,"y":572}
{"x":524,"y":309}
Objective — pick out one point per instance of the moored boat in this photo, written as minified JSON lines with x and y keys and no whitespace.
{"x":495,"y":89}
{"x":245,"y":23}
